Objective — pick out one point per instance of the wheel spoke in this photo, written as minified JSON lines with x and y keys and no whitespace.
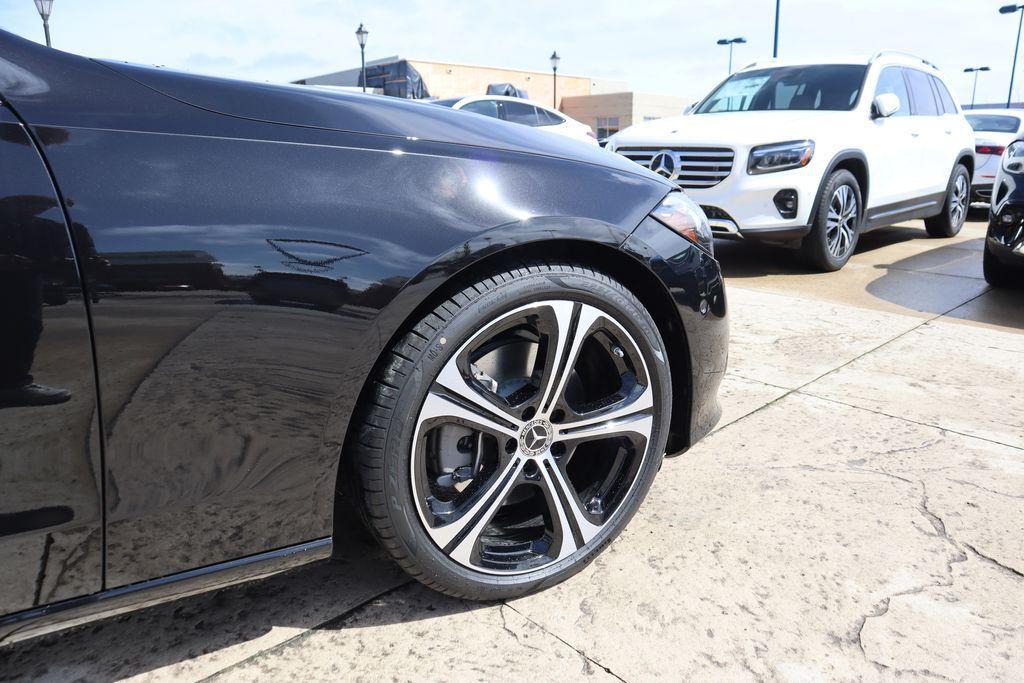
{"x":577,"y":529}
{"x":437,"y":405}
{"x":565,"y":321}
{"x":632,"y":418}
{"x":573,"y":328}
{"x":452,"y":379}
{"x":460,"y":536}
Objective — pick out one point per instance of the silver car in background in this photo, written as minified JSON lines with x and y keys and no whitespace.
{"x":994,"y":130}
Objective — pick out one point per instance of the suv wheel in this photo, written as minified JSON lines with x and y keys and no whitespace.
{"x":513,"y":432}
{"x":836,"y":224}
{"x":954,"y":211}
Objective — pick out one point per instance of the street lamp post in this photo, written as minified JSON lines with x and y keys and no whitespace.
{"x":730,"y":42}
{"x":1010,"y":9}
{"x":555,"y":61}
{"x":775,"y":45}
{"x":975,"y":70}
{"x":44,"y":7}
{"x":361,"y":34}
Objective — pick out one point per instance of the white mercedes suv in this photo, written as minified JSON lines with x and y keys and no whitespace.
{"x":812,"y":155}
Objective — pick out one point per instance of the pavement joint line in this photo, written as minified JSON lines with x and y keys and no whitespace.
{"x":557,"y":637}
{"x":759,"y":381}
{"x":336,"y":619}
{"x":928,"y":272}
{"x":800,"y":388}
{"x":875,"y":411}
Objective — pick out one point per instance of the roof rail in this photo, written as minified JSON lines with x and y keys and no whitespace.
{"x":882,"y":53}
{"x":770,"y":60}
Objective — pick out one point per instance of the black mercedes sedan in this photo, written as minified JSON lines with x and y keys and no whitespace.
{"x":1004,"y":243}
{"x":232,"y":310}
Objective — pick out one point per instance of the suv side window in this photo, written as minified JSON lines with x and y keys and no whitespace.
{"x":891,"y":81}
{"x":921,"y":91}
{"x":947,"y":100}
{"x":485,"y":107}
{"x":520,"y":112}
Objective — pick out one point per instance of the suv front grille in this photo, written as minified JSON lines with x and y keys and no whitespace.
{"x":695,"y":166}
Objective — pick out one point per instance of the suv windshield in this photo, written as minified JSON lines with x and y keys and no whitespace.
{"x":993,"y":123}
{"x":832,"y":87}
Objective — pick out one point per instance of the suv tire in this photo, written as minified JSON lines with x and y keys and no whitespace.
{"x":488,"y":539}
{"x":836,"y":223}
{"x":954,"y":210}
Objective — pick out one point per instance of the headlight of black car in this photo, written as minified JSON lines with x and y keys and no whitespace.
{"x":1013,"y":158}
{"x":681,"y":214}
{"x":780,"y":156}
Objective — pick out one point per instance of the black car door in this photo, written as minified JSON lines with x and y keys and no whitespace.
{"x":50,"y":497}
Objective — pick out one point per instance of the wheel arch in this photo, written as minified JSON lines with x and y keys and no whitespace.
{"x":966,"y":158}
{"x":605,"y":257}
{"x":854,"y":161}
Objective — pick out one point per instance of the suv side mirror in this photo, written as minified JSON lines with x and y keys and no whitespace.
{"x":690,"y":107}
{"x":885,"y":105}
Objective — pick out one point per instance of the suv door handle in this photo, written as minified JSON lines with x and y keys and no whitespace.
{"x":915,"y":135}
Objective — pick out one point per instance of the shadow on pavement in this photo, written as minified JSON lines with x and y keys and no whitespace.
{"x":740,"y":259}
{"x":999,"y":307}
{"x":205,"y":633}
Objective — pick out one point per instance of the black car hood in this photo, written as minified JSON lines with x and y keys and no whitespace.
{"x":300,"y":105}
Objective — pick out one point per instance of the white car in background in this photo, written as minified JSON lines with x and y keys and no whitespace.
{"x":524,"y":112}
{"x":811,"y":155}
{"x":994,"y":130}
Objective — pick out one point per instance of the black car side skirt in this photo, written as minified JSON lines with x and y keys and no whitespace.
{"x":40,"y":620}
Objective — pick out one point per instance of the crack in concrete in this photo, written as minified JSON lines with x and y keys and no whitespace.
{"x":991,"y":560}
{"x":882,"y":607}
{"x":504,"y":625}
{"x":578,"y":651}
{"x":985,"y":488}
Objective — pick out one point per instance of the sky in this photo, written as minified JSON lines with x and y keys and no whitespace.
{"x":657,"y":46}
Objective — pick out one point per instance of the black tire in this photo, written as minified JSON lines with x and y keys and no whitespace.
{"x":954,"y":210}
{"x":998,"y":274}
{"x":388,"y":419}
{"x":828,"y":248}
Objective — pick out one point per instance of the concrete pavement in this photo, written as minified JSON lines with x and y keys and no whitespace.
{"x":858,"y":514}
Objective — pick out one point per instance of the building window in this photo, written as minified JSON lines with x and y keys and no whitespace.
{"x":607,"y":125}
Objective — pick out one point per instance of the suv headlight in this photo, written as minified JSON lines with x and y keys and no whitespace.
{"x":780,"y":156}
{"x":681,"y":214}
{"x":1013,"y":158}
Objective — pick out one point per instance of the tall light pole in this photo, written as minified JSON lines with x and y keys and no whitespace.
{"x":730,"y":42}
{"x":44,"y":7}
{"x":555,"y":61}
{"x":361,"y":34}
{"x":775,"y":45}
{"x":975,"y":70}
{"x":1010,"y":9}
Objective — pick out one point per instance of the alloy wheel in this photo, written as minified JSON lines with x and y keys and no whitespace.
{"x":841,"y":224}
{"x":531,"y":437}
{"x":958,"y":201}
